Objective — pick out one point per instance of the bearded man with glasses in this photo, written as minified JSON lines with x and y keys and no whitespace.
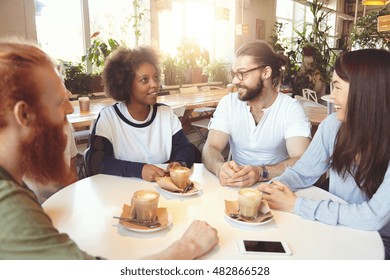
{"x":267,"y":130}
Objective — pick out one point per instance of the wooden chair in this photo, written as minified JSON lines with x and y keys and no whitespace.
{"x":204,"y":111}
{"x":188,"y":89}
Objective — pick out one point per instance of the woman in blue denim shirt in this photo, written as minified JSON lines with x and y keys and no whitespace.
{"x":353,"y":144}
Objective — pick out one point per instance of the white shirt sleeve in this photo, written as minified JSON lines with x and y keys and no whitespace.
{"x":221,"y":118}
{"x":297,"y":123}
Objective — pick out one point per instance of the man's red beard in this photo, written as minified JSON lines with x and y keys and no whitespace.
{"x":42,"y":155}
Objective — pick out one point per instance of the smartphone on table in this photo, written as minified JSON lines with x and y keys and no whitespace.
{"x":263,"y":247}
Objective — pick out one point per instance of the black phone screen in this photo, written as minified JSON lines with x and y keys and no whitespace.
{"x":264,"y":246}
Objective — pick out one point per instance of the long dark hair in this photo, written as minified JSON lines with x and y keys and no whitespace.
{"x":362,"y":145}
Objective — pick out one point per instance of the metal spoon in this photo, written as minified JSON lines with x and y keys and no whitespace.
{"x":188,"y":187}
{"x":234,"y":215}
{"x":133,"y":221}
{"x":237,"y":217}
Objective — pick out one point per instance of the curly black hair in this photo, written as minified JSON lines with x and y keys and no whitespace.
{"x":120,"y":67}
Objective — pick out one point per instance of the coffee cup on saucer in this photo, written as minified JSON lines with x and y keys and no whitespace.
{"x":180,"y":176}
{"x":145,"y":205}
{"x":249,"y":202}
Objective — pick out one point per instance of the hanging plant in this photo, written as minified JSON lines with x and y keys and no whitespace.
{"x":137,"y":20}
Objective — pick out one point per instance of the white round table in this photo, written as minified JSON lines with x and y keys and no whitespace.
{"x":85,"y":209}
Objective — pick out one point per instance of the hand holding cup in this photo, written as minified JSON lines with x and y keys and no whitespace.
{"x":180,"y":176}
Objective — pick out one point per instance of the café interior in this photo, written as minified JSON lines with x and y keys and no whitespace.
{"x":197,"y":40}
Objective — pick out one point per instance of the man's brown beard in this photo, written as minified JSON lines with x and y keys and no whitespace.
{"x":252,"y":93}
{"x":42,"y":155}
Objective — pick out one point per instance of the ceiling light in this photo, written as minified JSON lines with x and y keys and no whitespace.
{"x":375,"y":2}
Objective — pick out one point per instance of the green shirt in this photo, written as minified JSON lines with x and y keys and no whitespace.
{"x":26,"y":232}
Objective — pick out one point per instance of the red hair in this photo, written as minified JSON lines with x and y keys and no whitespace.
{"x":17,"y":61}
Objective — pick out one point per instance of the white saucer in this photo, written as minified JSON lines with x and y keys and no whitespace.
{"x":249,"y":223}
{"x":151,"y":229}
{"x":196,"y":185}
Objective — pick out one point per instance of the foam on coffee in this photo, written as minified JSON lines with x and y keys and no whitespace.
{"x":146,"y":204}
{"x":250,"y":193}
{"x":146,"y":195}
{"x":180,"y":176}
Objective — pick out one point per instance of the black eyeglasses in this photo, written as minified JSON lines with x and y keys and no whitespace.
{"x":240,"y":74}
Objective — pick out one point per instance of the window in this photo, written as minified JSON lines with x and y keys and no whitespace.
{"x":113,"y":20}
{"x":59,"y":28}
{"x":293,"y":14}
{"x":184,"y":20}
{"x":60,"y":25}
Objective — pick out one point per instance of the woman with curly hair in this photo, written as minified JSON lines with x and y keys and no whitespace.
{"x":136,"y":133}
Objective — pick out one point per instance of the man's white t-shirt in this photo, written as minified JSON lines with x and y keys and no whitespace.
{"x":264,"y":143}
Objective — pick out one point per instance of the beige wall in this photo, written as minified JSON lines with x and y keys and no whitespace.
{"x":17,"y":19}
{"x":250,"y":12}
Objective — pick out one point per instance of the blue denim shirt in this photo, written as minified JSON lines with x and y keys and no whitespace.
{"x":359,"y":212}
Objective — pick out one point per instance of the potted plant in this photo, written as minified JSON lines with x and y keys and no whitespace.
{"x":169,"y":71}
{"x":280,"y":45}
{"x":191,"y":60}
{"x":98,"y":51}
{"x":311,"y":52}
{"x":217,"y":72}
{"x":76,"y":80}
{"x":96,"y":55}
